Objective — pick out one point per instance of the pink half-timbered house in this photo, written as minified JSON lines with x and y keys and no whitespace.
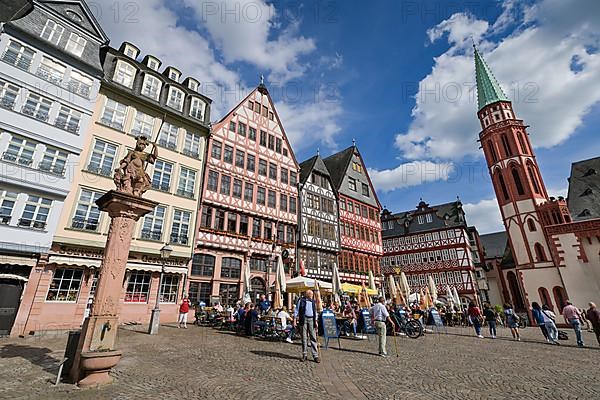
{"x":249,"y":207}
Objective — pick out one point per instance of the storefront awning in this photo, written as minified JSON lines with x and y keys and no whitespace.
{"x":13,"y":276}
{"x":15,"y":260}
{"x":155,"y":268}
{"x":75,"y":262}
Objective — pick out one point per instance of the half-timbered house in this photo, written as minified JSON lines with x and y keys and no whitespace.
{"x":319,"y":242}
{"x":249,"y":206}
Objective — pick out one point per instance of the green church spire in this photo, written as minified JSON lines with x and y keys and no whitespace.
{"x":488,"y":88}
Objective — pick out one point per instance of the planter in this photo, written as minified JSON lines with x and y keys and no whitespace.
{"x":97,"y":365}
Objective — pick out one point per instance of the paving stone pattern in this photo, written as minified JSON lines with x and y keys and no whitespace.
{"x":203,"y":363}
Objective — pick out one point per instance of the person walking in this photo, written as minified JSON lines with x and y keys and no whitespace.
{"x":306,"y":314}
{"x":538,"y":317}
{"x":380,"y":315}
{"x":475,"y":318}
{"x":184,"y":308}
{"x":550,"y":323}
{"x":572,"y":317}
{"x":593,"y":315}
{"x":512,"y":320}
{"x":490,"y":317}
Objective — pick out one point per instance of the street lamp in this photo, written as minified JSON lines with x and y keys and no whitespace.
{"x":165,"y":253}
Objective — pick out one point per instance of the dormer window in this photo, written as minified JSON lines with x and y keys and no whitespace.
{"x":193,"y":85}
{"x":173,"y":74}
{"x":151,"y":87}
{"x":428,"y":218}
{"x":197,"y":108}
{"x":175,"y":99}
{"x":124,"y":74}
{"x":130,"y":51}
{"x":153,"y":64}
{"x":76,"y":44}
{"x":52,"y":31}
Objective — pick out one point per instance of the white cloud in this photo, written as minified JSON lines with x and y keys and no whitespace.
{"x":484,"y":215}
{"x":532,"y":65}
{"x":410,"y":174}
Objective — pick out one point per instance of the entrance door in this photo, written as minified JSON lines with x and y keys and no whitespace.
{"x":10,"y":297}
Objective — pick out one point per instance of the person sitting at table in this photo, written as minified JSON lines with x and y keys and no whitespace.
{"x":264,"y":305}
{"x":350,"y":320}
{"x":283,"y":317}
{"x":218,"y":307}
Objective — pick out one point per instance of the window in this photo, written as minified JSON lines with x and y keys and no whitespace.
{"x":187,"y":183}
{"x":231,"y":222}
{"x":265,"y":111}
{"x":284,"y":175}
{"x":231,"y":267}
{"x":103,"y":157}
{"x":534,"y":182}
{"x":228,"y":293}
{"x":167,"y":136}
{"x":280,"y":233}
{"x":540,"y":254}
{"x":138,"y":286}
{"x":241,"y":129}
{"x":191,"y":145}
{"x":502,"y":185}
{"x":517,"y":179}
{"x":151,"y":87}
{"x":352,"y":184}
{"x":52,"y":32}
{"x":272,"y":171}
{"x":37,"y":106}
{"x":80,"y":84}
{"x":278,"y":143}
{"x":531,"y":225}
{"x":256,"y":227}
{"x":268,"y":231}
{"x":181,"y":227}
{"x":174,"y":75}
{"x":54,"y":161}
{"x":243,"y":225}
{"x":213,"y":180}
{"x":228,"y":154}
{"x":168,"y":288}
{"x":200,"y":291}
{"x":239,"y":158}
{"x":225,"y":184}
{"x":7,"y":203}
{"x":76,"y":44}
{"x":271,"y":116}
{"x":65,"y":285}
{"x":87,"y":214}
{"x":153,"y":63}
{"x":251,"y":105}
{"x":293,"y":178}
{"x":161,"y":178}
{"x":283,"y":203}
{"x":365,"y":190}
{"x":36,"y":212}
{"x":249,"y":192}
{"x":8,"y":95}
{"x":175,"y":99}
{"x":203,"y":265}
{"x":197,"y":108}
{"x":232,"y":126}
{"x":293,"y":205}
{"x":252,"y":134}
{"x":216,"y":149}
{"x":18,"y":55}
{"x":262,"y":167}
{"x":356,"y":166}
{"x":153,"y":224}
{"x":193,"y":85}
{"x":237,"y":188}
{"x":263,"y":138}
{"x":114,"y":114}
{"x":429,"y":218}
{"x":143,"y":125}
{"x":20,"y":151}
{"x":124,"y":74}
{"x":260,"y":195}
{"x":506,"y":146}
{"x":492,"y":151}
{"x":257,"y":107}
{"x":206,"y":217}
{"x":68,"y":119}
{"x":51,"y":71}
{"x":271,"y":142}
{"x":272,"y":201}
{"x":250,"y":163}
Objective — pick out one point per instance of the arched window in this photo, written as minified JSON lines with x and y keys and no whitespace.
{"x":545,"y":297}
{"x":506,"y":145}
{"x":536,"y":186}
{"x":522,"y":143}
{"x":203,"y":265}
{"x":492,"y":151}
{"x":502,"y":185}
{"x":518,"y":183}
{"x":560,"y":296}
{"x":540,"y":254}
{"x":515,"y":291}
{"x":531,"y":225}
{"x":257,"y":287}
{"x":231,"y":268}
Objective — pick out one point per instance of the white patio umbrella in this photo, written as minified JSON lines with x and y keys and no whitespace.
{"x":432,"y":289}
{"x":392,"y":285}
{"x":246,"y":298}
{"x":372,"y":281}
{"x":280,"y":285}
{"x":404,"y":287}
{"x":336,"y":285}
{"x":449,"y":295}
{"x":456,"y":297}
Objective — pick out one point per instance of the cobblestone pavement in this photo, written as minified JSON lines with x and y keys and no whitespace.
{"x":202,"y":363}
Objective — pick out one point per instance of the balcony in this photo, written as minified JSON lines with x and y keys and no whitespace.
{"x":49,"y":75}
{"x":13,"y":158}
{"x":7,"y":102}
{"x":79,"y":88}
{"x":185,"y":193}
{"x":28,"y":223}
{"x":178,"y":239}
{"x":90,"y":224}
{"x":99,"y":170}
{"x":20,"y":62}
{"x":167,"y":144}
{"x":113,"y":124}
{"x":191,"y":153}
{"x":148,"y":234}
{"x":5,"y":219}
{"x":163,"y":187}
{"x":70,"y":126}
{"x":52,"y":168}
{"x":37,"y":114}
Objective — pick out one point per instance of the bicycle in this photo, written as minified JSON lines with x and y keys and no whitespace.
{"x":408,"y":326}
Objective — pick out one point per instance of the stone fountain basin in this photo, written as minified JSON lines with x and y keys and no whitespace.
{"x":100,"y":360}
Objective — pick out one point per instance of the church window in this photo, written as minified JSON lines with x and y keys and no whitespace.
{"x":492,"y":151}
{"x":534,"y":182}
{"x":506,"y":146}
{"x":531,"y":225}
{"x":539,"y":253}
{"x":518,"y":183}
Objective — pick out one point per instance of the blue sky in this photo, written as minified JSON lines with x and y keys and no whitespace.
{"x":395,"y":76}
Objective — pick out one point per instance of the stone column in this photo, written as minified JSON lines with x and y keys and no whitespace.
{"x":96,"y":353}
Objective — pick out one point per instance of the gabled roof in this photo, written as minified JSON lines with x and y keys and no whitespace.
{"x":494,"y":244}
{"x":584,"y":189}
{"x":406,"y":222}
{"x":337,"y":164}
{"x":88,"y":22}
{"x":314,"y":163}
{"x":488,"y":88}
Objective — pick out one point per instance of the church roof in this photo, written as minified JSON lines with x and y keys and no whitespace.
{"x":584,"y":189}
{"x":314,"y":163}
{"x":488,"y":88}
{"x":494,"y":244}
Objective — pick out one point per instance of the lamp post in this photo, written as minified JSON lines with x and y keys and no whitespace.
{"x":165,"y":253}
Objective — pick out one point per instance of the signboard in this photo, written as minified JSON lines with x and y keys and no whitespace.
{"x":437,"y":320}
{"x":330,"y":329}
{"x":367,"y":322}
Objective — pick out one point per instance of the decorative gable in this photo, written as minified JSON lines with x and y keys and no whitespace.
{"x":78,"y":13}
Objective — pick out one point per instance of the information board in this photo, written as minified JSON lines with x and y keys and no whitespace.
{"x":330,"y":329}
{"x":367,"y":322}
{"x":437,"y":319}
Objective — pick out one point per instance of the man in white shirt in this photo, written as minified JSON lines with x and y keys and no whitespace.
{"x":284,"y":317}
{"x":380,"y":315}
